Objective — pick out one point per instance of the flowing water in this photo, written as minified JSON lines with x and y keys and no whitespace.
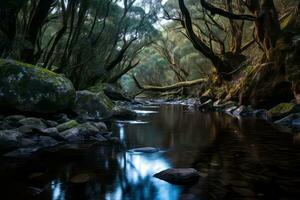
{"x":237,"y":159}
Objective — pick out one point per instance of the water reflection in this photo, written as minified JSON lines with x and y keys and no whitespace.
{"x":237,"y":158}
{"x":137,"y":179}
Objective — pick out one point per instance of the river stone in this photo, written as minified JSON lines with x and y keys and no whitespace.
{"x":67,"y":125}
{"x":15,"y":118}
{"x":282,"y":110}
{"x":144,"y":150}
{"x":114,"y":93}
{"x":51,"y":123}
{"x":180,"y":176}
{"x":98,"y":138}
{"x":296,"y":122}
{"x":22,"y":152}
{"x":29,"y":88}
{"x":89,"y":105}
{"x":26,"y":129}
{"x":89,"y":128}
{"x":288,"y":121}
{"x":123,"y":113}
{"x":208,"y":105}
{"x":100,"y":126}
{"x":33,"y":122}
{"x":45,"y":141}
{"x":241,"y":111}
{"x":10,"y":139}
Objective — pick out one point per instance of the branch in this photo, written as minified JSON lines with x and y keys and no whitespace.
{"x":215,"y":10}
{"x":170,"y":87}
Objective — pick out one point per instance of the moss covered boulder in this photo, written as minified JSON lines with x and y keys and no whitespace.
{"x":90,"y":105}
{"x":282,"y":110}
{"x":29,"y":88}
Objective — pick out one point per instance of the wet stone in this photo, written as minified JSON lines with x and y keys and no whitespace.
{"x":180,"y":176}
{"x":144,"y":150}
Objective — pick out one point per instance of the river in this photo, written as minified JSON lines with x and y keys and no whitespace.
{"x":236,"y":158}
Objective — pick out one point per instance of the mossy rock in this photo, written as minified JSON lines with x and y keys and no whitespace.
{"x":92,"y":105}
{"x":67,"y":125}
{"x":29,"y":88}
{"x":282,"y":110}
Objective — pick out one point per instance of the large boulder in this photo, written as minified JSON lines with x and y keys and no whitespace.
{"x":90,"y":105}
{"x":29,"y":88}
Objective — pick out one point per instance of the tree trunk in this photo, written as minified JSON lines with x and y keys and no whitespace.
{"x":34,"y":28}
{"x":222,"y":67}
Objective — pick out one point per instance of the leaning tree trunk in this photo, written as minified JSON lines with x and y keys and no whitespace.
{"x":223,"y":68}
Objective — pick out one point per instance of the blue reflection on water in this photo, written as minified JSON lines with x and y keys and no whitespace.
{"x":57,"y":191}
{"x":138,"y":175}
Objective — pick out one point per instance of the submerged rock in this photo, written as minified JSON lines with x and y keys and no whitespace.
{"x":288,"y":121}
{"x":81,"y":178}
{"x":29,"y":88}
{"x":22,"y":152}
{"x":181,"y":176}
{"x":144,"y":150}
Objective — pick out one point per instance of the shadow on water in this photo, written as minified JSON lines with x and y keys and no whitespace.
{"x":237,"y":159}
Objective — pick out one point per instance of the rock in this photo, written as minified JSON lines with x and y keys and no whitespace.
{"x":207,"y":95}
{"x":114,"y":140}
{"x":70,"y":133}
{"x":62,"y":118}
{"x":288,"y":121}
{"x":21,"y":152}
{"x":10,"y":139}
{"x":15,"y":118}
{"x":26,"y":129}
{"x":282,"y":110}
{"x":29,"y":88}
{"x":145,"y":150}
{"x":207,"y":106}
{"x":99,"y":138}
{"x":88,"y":129}
{"x":241,"y":111}
{"x":100,"y":126}
{"x":81,"y":178}
{"x":231,"y":109}
{"x":52,"y":132}
{"x":260,"y":113}
{"x":220,"y":106}
{"x":51,"y":123}
{"x":114,"y":93}
{"x":26,"y":142}
{"x":67,"y":125}
{"x":34,"y":123}
{"x":91,"y":105}
{"x":181,"y":176}
{"x":45,"y":141}
{"x":296,"y":122}
{"x":9,"y":124}
{"x":10,"y":135}
{"x":123,"y":113}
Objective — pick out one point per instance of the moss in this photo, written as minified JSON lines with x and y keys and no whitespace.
{"x":283,"y":109}
{"x":67,"y":125}
{"x":29,"y":88}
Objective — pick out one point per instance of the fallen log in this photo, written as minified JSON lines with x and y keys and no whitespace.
{"x":169,"y":87}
